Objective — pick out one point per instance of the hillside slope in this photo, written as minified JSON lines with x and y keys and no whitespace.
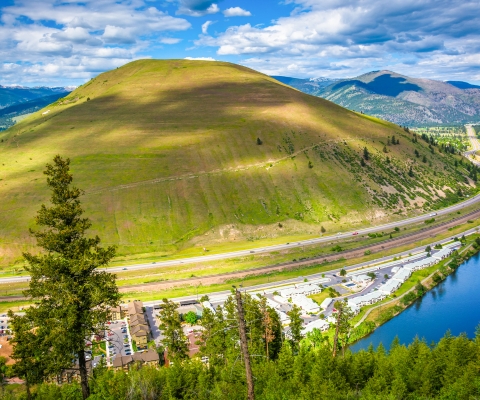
{"x":167,"y":153}
{"x":405,"y":100}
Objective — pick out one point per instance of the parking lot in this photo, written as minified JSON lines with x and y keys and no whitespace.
{"x":4,"y":328}
{"x":119,"y":341}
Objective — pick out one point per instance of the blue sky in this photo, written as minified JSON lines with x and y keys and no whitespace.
{"x":66,"y":42}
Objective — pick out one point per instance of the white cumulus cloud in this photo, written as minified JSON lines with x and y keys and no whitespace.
{"x":200,"y":58}
{"x":236,"y":12}
{"x":349,"y":37}
{"x":205,"y":27}
{"x":77,"y":39}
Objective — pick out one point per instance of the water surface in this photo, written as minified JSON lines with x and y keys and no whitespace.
{"x":452,"y":305}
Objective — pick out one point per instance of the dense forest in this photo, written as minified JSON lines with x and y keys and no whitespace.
{"x":447,"y":370}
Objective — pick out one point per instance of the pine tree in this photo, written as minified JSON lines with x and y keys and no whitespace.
{"x":410,"y":172}
{"x":295,"y":325}
{"x":268,"y":329}
{"x":214,"y":337}
{"x":72,"y":296}
{"x":366,"y":154}
{"x":171,"y":326}
{"x":29,"y":351}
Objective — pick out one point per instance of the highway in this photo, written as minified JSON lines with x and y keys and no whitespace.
{"x":475,"y":144}
{"x":267,"y":249}
{"x":330,"y":278}
{"x":321,"y":239}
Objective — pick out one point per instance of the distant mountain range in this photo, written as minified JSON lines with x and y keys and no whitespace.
{"x":398,"y":98}
{"x":11,"y":95}
{"x":19,"y":100}
{"x":309,"y":86}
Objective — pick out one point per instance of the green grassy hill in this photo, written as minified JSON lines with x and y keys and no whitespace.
{"x":167,"y":153}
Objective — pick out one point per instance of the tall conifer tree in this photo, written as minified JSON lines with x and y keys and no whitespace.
{"x":71,"y":295}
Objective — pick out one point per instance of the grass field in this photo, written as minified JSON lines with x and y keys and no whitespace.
{"x":167,"y":153}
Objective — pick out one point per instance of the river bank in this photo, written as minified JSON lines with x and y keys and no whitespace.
{"x":400,"y":315}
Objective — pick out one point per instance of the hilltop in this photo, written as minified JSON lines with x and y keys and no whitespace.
{"x":402,"y":99}
{"x":177,"y":153}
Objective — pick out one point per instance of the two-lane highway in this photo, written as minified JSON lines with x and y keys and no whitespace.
{"x":267,"y":249}
{"x":321,"y":239}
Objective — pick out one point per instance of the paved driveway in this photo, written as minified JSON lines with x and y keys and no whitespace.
{"x":153,"y":322}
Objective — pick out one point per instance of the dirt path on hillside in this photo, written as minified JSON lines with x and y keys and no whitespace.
{"x":425,"y":233}
{"x":262,"y":164}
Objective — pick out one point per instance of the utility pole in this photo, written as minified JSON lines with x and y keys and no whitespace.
{"x":243,"y":345}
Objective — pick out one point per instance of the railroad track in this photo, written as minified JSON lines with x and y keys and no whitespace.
{"x":408,"y":238}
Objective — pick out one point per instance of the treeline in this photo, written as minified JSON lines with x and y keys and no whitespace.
{"x":286,"y":366}
{"x":448,"y":370}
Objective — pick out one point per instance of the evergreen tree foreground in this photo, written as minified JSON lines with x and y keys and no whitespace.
{"x":71,"y":296}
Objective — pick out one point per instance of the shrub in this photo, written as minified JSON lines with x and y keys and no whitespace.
{"x":408,"y":298}
{"x":190,"y":317}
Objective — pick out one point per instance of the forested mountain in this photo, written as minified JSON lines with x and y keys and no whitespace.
{"x":16,"y":101}
{"x":309,"y":86}
{"x":403,"y":100}
{"x":11,"y":95}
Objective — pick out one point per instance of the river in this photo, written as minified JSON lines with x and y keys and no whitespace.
{"x":452,"y":305}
